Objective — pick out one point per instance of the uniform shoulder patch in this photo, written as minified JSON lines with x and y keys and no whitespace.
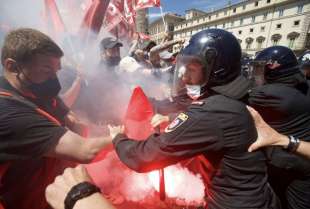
{"x":200,"y":103}
{"x":177,"y":122}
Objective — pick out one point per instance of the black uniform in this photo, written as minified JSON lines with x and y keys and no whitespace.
{"x":25,"y":137}
{"x":221,"y":129}
{"x":287,"y":109}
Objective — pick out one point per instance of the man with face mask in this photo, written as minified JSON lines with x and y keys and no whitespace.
{"x":282,"y":98}
{"x":36,"y":129}
{"x":216,"y":125}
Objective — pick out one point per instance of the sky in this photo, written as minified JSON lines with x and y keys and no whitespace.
{"x":179,"y":6}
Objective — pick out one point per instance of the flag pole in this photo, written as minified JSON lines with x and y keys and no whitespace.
{"x":162,"y":16}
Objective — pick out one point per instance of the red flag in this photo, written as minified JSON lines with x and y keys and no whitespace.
{"x":53,"y":19}
{"x":120,"y":19}
{"x":142,"y":4}
{"x":138,"y":117}
{"x":94,"y":16}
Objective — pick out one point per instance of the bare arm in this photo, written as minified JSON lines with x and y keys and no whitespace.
{"x":267,"y":136}
{"x":157,"y":49}
{"x":75,"y":125}
{"x":56,"y":192}
{"x":73,"y":147}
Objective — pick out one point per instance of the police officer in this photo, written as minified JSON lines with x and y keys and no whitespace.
{"x":304,"y":61}
{"x":216,"y":125}
{"x":281,"y":99}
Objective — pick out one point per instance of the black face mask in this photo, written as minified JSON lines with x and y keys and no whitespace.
{"x":46,"y":90}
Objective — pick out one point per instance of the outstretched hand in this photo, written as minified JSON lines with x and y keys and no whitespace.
{"x":266,"y":136}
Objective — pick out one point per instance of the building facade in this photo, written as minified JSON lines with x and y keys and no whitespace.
{"x":142,"y":21}
{"x":257,"y":24}
{"x":157,"y":28}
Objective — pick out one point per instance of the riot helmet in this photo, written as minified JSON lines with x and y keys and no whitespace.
{"x":210,"y":62}
{"x":304,"y":62}
{"x":274,"y":63}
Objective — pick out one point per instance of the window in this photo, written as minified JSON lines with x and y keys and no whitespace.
{"x":241,"y":21}
{"x":224,"y":24}
{"x":232,"y":23}
{"x":248,"y":45}
{"x":265,"y":16}
{"x":234,"y":10}
{"x":262,"y":29}
{"x":299,"y":9}
{"x":279,"y":26}
{"x":240,"y":32}
{"x":243,"y":7}
{"x":275,"y":42}
{"x":268,"y":1}
{"x":259,"y":44}
{"x":210,"y":17}
{"x":251,"y":30}
{"x":296,"y":23}
{"x":256,"y":3}
{"x":253,"y":19}
{"x":217,"y":14}
{"x":280,"y":12}
{"x":291,"y":43}
{"x":225,"y":12}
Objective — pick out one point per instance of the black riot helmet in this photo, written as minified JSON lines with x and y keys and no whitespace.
{"x":274,"y":63}
{"x":211,"y":61}
{"x":304,"y":62}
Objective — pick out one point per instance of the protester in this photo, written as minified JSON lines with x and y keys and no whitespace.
{"x":36,"y":128}
{"x":267,"y":136}
{"x":97,"y":102}
{"x":74,"y":187}
{"x":217,"y":125}
{"x":281,"y":98}
{"x":110,"y":53}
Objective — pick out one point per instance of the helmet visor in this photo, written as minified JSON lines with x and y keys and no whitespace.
{"x":258,"y":72}
{"x":189,"y":70}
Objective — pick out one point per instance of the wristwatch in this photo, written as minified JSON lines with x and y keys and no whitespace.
{"x":78,"y":192}
{"x":293,"y":144}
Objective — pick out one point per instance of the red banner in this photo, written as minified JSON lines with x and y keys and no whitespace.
{"x":142,"y":4}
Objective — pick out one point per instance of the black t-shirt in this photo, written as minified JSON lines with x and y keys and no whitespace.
{"x":25,"y":136}
{"x":221,"y":129}
{"x":286,"y":109}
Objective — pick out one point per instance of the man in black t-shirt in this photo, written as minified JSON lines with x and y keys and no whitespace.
{"x":36,"y":128}
{"x":284,"y":104}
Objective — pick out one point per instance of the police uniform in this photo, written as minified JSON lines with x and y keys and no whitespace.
{"x":221,"y":129}
{"x":287,"y":110}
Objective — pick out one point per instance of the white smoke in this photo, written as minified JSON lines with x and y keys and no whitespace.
{"x":121,"y":183}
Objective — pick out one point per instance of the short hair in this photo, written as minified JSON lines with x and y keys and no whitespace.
{"x":24,"y":43}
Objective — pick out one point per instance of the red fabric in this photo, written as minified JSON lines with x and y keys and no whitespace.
{"x":53,"y":19}
{"x":141,"y":4}
{"x":138,"y":116}
{"x":94,"y":16}
{"x":120,"y":19}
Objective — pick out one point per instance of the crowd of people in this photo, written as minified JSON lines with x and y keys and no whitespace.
{"x":253,"y":130}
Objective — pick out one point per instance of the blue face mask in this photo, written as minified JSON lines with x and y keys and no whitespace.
{"x":193,"y":91}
